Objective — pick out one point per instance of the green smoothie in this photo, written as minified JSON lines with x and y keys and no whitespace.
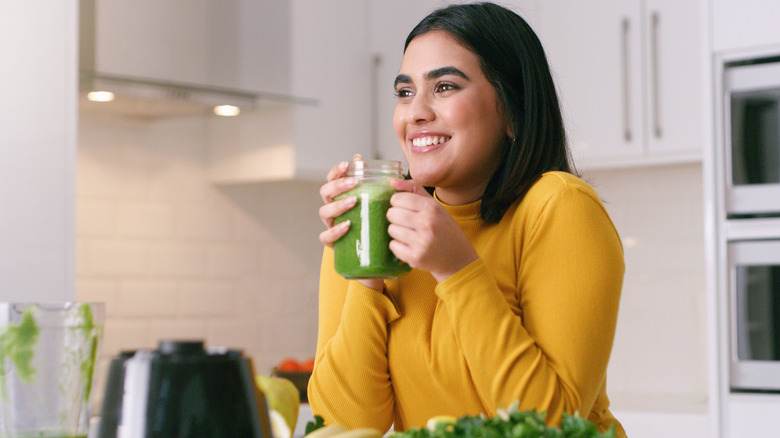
{"x":364,"y":251}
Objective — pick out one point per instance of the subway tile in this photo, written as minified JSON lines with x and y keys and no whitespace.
{"x":95,"y":217}
{"x":144,"y":219}
{"x":176,"y":259}
{"x":115,"y":257}
{"x":100,"y":291}
{"x":232,"y":333}
{"x":207,"y":298}
{"x":125,"y":334}
{"x":149,"y":297}
{"x":233,"y":259}
{"x":177,"y":329}
{"x":198,"y":221}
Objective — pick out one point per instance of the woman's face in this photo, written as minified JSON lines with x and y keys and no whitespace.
{"x":448,"y":118}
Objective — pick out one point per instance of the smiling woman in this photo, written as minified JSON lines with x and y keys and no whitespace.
{"x":517,"y":268}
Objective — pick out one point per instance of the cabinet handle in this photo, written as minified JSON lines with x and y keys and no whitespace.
{"x":655,"y":72}
{"x":625,"y":35}
{"x":376,"y":64}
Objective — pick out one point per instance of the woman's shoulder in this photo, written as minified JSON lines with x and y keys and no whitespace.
{"x":553,"y":184}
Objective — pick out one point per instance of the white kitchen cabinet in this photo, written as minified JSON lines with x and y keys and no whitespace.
{"x":237,"y":44}
{"x":745,"y":24}
{"x":630,"y":77}
{"x":159,"y":40}
{"x":39,"y":45}
{"x":330,"y":63}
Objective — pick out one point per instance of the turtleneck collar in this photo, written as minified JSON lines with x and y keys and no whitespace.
{"x":468,"y":211}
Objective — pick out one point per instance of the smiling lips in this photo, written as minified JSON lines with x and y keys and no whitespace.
{"x":428,"y":142}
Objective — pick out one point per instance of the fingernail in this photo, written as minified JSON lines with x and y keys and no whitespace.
{"x":344,"y":224}
{"x":343,"y":165}
{"x":348,"y":182}
{"x":351,"y":200}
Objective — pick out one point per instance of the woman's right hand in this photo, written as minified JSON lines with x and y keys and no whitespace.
{"x":337,"y":184}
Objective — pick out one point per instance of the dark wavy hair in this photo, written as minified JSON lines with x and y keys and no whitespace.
{"x":512,"y":59}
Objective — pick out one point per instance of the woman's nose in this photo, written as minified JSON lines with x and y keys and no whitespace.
{"x":420,"y":110}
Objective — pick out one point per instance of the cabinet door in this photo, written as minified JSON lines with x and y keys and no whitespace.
{"x":594,"y":51}
{"x":330,"y":63}
{"x":39,"y":41}
{"x":675,"y":68}
{"x":389,"y":24}
{"x":745,"y":24}
{"x":163,"y":40}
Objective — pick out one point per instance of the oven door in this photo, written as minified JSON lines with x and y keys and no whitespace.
{"x":754,"y":278}
{"x":752,"y":120}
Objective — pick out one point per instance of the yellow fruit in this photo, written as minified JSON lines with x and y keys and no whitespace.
{"x":282,"y":396}
{"x":363,"y":432}
{"x":327,"y":431}
{"x":433,"y":421}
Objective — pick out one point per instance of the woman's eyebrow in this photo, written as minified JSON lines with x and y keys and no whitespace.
{"x":443,"y":71}
{"x":433,"y":74}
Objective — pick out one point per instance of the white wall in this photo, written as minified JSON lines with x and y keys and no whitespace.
{"x":175,"y":256}
{"x":38,"y":45}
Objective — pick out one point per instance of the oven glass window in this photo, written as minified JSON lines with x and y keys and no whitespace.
{"x":755,"y":137}
{"x":758,"y":312}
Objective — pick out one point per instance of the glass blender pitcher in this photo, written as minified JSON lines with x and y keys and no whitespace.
{"x":48,"y":354}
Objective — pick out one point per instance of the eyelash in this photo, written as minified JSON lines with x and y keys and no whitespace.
{"x":440,"y":87}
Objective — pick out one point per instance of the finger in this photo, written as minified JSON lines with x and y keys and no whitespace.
{"x":334,"y":233}
{"x":330,"y":211}
{"x":404,"y":217}
{"x":410,"y":201}
{"x":331,"y":189}
{"x":338,"y":171}
{"x":403,"y":252}
{"x":402,"y":234}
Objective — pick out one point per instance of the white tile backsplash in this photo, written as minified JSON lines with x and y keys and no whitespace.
{"x":660,"y":344}
{"x":174,"y":256}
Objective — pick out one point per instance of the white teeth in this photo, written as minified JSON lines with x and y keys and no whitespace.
{"x":428,"y":141}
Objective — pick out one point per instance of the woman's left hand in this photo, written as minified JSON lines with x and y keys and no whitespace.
{"x":424,"y":234}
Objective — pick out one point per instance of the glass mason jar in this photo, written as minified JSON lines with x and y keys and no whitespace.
{"x":364,"y":251}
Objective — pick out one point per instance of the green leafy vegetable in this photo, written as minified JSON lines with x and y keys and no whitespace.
{"x":311,"y":426}
{"x":509,"y":423}
{"x":17,"y":343}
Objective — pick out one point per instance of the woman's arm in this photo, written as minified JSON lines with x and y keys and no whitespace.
{"x":554,"y":357}
{"x":350,"y":384}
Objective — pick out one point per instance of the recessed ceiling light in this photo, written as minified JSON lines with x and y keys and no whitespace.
{"x":100,"y":96}
{"x":227,"y":110}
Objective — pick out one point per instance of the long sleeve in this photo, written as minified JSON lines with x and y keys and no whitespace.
{"x":350,"y":384}
{"x":552,"y":353}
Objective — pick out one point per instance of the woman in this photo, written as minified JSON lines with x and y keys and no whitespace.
{"x":517,"y":266}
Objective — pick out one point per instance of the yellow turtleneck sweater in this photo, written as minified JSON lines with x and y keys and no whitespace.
{"x":533,"y":319}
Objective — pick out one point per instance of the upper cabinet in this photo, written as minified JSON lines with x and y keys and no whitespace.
{"x":239,"y":44}
{"x":630,"y":76}
{"x":329,"y":55}
{"x":745,"y":25}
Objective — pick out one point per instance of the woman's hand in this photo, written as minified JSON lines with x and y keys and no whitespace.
{"x":338,"y":183}
{"x":424,"y":234}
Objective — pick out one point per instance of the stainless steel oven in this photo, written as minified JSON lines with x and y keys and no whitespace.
{"x":751,"y":170}
{"x":752,"y":122}
{"x":754,"y":301}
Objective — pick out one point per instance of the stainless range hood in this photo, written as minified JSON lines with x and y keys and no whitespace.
{"x":151,"y":97}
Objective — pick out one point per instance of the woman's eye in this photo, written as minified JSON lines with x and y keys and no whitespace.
{"x":445,"y":86}
{"x":403,"y":92}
